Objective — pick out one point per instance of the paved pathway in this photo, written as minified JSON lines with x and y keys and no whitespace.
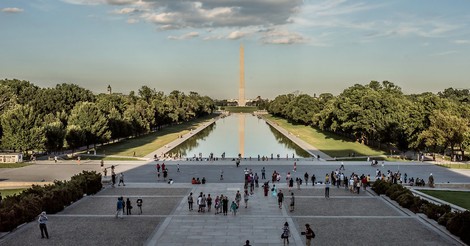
{"x":344,"y":219}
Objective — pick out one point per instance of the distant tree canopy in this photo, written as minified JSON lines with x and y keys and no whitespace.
{"x":69,"y":116}
{"x":380,"y":113}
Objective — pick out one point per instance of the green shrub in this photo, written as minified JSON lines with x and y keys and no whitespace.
{"x":380,"y":187}
{"x":434,"y":211}
{"x":399,"y":191}
{"x":406,"y":200}
{"x":459,"y":225}
{"x":26,"y":206}
{"x":90,"y":182}
{"x":445,"y":218}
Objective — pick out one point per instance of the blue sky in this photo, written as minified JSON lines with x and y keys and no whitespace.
{"x":290,"y":45}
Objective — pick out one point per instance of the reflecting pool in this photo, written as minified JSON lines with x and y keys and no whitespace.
{"x":243,"y":134}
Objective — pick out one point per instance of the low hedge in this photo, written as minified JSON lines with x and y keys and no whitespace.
{"x":458,"y":223}
{"x":26,"y":206}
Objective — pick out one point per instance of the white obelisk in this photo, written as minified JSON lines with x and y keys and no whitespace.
{"x":241,"y":90}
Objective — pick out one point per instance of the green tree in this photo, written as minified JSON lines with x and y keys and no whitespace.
{"x":55,"y":133}
{"x":91,"y":120}
{"x":75,"y":137}
{"x":446,"y":131}
{"x":22,"y":130}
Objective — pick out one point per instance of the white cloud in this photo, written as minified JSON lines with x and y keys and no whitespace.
{"x":462,"y":41}
{"x":12,"y":10}
{"x":444,"y":53}
{"x":280,"y":36}
{"x":181,"y":14}
{"x":125,"y":11}
{"x":189,"y":35}
{"x":132,"y":21}
{"x":121,"y":2}
{"x":237,"y":35}
{"x":98,"y":2}
{"x":85,"y":2}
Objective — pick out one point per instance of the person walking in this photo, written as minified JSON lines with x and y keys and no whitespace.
{"x":256,"y":180}
{"x":291,"y":183}
{"x":139,"y":204}
{"x":234,"y":208}
{"x":42,"y":220}
{"x":165,"y":173}
{"x":209,"y":202}
{"x":217,"y":204}
{"x":285,"y":233}
{"x":246,"y":198}
{"x":119,"y":206}
{"x":199,"y":203}
{"x":128,"y":207}
{"x":306,"y":178}
{"x":309,"y":235}
{"x":113,"y":178}
{"x":263,"y":173}
{"x":190,"y":201}
{"x":238,"y":198}
{"x":327,"y":189}
{"x":225,"y":205}
{"x":292,"y":202}
{"x":121,"y":180}
{"x":313,"y":179}
{"x":274,"y":191}
{"x":266,"y":188}
{"x":280,"y":198}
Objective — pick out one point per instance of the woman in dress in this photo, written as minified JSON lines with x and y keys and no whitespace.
{"x":274,"y":191}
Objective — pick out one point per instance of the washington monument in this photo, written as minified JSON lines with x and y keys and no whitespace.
{"x":241,"y":89}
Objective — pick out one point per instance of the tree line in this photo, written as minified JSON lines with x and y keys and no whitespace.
{"x":380,"y":113}
{"x":69,"y":116}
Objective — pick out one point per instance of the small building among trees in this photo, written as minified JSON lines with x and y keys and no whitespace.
{"x":11,"y":157}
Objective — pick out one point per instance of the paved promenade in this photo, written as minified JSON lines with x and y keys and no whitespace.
{"x":344,"y":219}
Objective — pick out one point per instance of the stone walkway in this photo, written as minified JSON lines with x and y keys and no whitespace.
{"x":344,"y":219}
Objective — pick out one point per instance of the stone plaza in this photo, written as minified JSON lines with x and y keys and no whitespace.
{"x":344,"y":219}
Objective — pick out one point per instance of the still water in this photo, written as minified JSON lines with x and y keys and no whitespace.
{"x":243,"y":134}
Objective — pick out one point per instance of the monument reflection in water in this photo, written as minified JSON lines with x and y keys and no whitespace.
{"x":243,"y":134}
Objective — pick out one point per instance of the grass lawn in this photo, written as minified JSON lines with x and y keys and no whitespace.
{"x":146,"y":144}
{"x":329,"y":143}
{"x":14,"y":165}
{"x":459,"y":198}
{"x":235,"y":109}
{"x":10,"y":192}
